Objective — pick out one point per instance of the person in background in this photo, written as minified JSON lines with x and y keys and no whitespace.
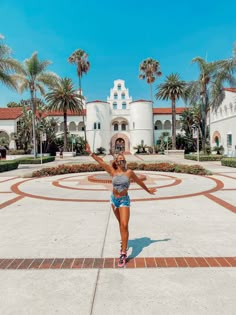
{"x":120,"y":200}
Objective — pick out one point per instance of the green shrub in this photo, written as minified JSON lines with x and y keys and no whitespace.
{"x":194,"y":157}
{"x":231,"y":162}
{"x":8,"y":165}
{"x":31,"y":160}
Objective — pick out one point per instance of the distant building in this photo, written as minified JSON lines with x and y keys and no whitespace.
{"x":223,"y":123}
{"x":117,"y":124}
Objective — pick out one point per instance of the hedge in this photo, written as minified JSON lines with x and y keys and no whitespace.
{"x":8,"y":165}
{"x":31,"y":160}
{"x":194,"y":157}
{"x":231,"y":162}
{"x":161,"y":167}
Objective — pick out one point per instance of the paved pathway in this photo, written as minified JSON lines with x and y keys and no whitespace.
{"x":60,"y":242}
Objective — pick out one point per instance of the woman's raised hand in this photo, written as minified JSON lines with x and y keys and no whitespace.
{"x":152,"y":190}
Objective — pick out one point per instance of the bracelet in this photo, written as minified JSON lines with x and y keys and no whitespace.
{"x":91,"y":154}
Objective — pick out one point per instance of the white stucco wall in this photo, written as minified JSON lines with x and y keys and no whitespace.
{"x":223,"y":123}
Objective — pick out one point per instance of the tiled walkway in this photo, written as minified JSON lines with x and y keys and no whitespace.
{"x":64,"y":223}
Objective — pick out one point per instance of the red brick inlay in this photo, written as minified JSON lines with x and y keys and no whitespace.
{"x":6,"y":180}
{"x":9,"y":202}
{"x":98,"y":263}
{"x":221,"y":202}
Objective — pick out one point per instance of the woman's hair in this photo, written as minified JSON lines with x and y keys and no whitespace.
{"x":114,"y":164}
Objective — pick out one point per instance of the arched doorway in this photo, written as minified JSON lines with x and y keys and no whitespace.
{"x":120,"y":145}
{"x":119,"y":142}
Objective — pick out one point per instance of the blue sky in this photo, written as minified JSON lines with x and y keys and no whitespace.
{"x":118,"y":35}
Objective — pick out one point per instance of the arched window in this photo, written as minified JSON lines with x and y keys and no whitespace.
{"x":99,"y":125}
{"x":123,"y":126}
{"x":167,"y":125}
{"x":81,"y":126}
{"x":158,"y":125}
{"x":116,"y":128}
{"x":123,"y":105}
{"x":72,"y":126}
{"x":95,"y":125}
{"x":115,"y":96}
{"x":114,"y":105}
{"x":123,"y":96}
{"x":119,"y":87}
{"x":62,"y":126}
{"x":226,"y":110}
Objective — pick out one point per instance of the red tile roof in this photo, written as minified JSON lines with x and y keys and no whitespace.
{"x":141,"y":101}
{"x":10,"y":113}
{"x":230,"y":89}
{"x":97,"y":101}
{"x":69,"y":113}
{"x":163,"y":111}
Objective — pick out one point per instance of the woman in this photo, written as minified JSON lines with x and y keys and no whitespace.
{"x":120,"y":200}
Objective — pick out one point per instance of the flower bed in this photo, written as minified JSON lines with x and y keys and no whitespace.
{"x":159,"y":167}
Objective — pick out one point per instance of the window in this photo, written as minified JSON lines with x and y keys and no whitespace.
{"x":115,"y":127}
{"x":123,"y":105}
{"x":158,"y":125}
{"x":119,"y":87}
{"x":115,"y":96}
{"x":167,"y":125}
{"x":123,"y":126}
{"x":81,"y":126}
{"x":72,"y":126}
{"x":123,"y":96}
{"x":133,"y":125}
{"x":229,"y":139}
{"x":95,"y":126}
{"x":114,"y":105}
{"x":99,"y":125}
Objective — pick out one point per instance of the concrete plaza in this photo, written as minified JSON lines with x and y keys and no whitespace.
{"x":60,"y":243}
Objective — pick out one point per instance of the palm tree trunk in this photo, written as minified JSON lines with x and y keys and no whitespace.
{"x":173,"y":125}
{"x":80,"y":94}
{"x":65,"y":131}
{"x":33,"y":122}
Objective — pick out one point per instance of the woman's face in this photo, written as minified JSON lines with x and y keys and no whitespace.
{"x":120,"y":161}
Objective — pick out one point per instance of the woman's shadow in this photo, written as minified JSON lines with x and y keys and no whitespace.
{"x":138,"y":244}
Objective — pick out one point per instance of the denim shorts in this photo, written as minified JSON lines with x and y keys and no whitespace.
{"x":118,"y":202}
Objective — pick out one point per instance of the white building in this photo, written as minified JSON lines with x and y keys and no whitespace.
{"x":116,"y":124}
{"x":223,"y":123}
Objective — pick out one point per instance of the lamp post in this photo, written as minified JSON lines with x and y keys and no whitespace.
{"x":196,"y":136}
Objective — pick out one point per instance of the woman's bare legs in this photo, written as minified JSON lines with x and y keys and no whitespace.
{"x":124,"y":213}
{"x":116,"y":213}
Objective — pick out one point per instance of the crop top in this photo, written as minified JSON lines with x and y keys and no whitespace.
{"x":120,"y":182}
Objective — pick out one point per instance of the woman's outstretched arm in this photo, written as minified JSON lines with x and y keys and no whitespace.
{"x":141,"y":183}
{"x":106,"y":167}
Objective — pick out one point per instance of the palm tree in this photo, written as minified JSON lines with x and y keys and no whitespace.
{"x":33,"y":77}
{"x":208,"y":90}
{"x":64,"y":97}
{"x":149,"y":71}
{"x":172,"y":89}
{"x":7,"y":66}
{"x":80,"y":59}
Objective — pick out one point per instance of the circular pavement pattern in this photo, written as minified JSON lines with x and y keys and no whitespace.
{"x":78,"y":188}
